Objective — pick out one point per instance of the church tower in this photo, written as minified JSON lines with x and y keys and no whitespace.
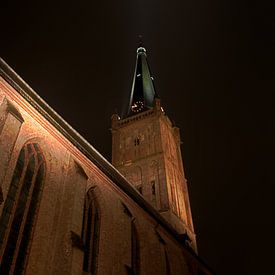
{"x":146,"y":150}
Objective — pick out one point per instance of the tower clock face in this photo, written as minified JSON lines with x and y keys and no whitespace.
{"x":137,"y":106}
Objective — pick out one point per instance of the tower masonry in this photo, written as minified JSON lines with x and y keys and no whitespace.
{"x":146,"y":150}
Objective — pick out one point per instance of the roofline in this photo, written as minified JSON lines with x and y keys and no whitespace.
{"x":86,"y":148}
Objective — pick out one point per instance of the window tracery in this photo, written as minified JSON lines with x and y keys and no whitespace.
{"x":20,"y":209}
{"x":90,"y":233}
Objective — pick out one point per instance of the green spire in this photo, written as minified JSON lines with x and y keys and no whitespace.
{"x":143,"y":90}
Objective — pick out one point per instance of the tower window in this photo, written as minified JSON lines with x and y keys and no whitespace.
{"x":137,"y":141}
{"x":153,"y":185}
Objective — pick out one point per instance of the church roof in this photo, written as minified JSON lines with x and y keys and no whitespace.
{"x":143,"y":91}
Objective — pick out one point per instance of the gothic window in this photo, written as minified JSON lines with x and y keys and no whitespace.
{"x":90,"y":233}
{"x":153,"y":186}
{"x":134,"y":269}
{"x":20,"y":209}
{"x":165,"y":253}
{"x":167,"y":263}
{"x":135,"y":253}
{"x":153,"y":192}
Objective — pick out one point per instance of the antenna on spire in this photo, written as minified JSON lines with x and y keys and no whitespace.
{"x":140,"y":40}
{"x":140,"y":48}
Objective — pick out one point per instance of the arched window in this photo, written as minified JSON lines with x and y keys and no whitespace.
{"x":135,"y":253}
{"x":20,"y":209}
{"x":134,"y":269}
{"x":90,"y":233}
{"x":165,"y":253}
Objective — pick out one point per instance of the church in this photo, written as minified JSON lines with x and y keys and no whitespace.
{"x":64,"y":209}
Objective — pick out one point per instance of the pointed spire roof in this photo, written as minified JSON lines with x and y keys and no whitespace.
{"x":143,"y":91}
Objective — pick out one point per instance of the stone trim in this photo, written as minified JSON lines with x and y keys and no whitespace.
{"x":77,"y":241}
{"x":13,"y":110}
{"x":7,"y":107}
{"x":126,"y":210}
{"x":80,"y":170}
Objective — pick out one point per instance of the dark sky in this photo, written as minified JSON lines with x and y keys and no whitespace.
{"x":214,"y":68}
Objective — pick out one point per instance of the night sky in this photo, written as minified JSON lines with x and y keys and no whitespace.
{"x":214,"y":68}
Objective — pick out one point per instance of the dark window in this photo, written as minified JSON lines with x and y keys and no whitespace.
{"x":90,"y":233}
{"x":137,"y":141}
{"x":20,"y":209}
{"x":153,"y":187}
